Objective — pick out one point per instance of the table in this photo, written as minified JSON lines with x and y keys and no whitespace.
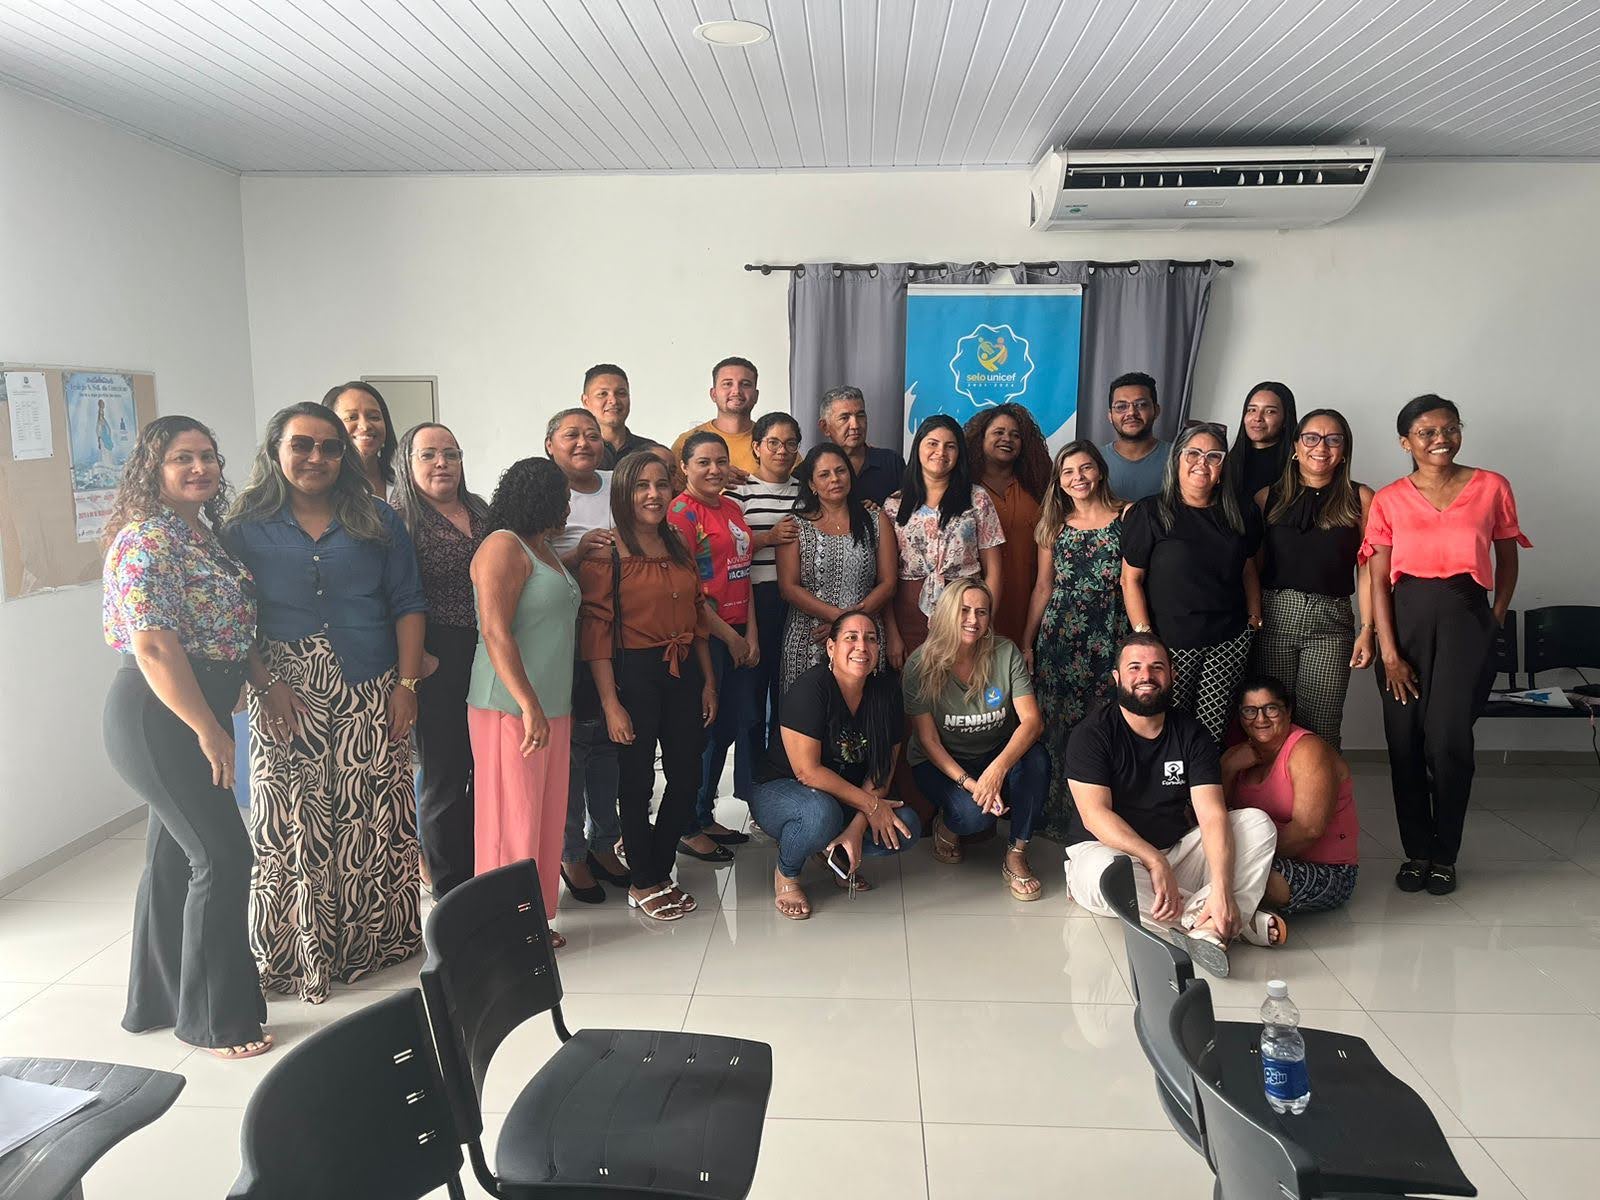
{"x":51,"y":1165}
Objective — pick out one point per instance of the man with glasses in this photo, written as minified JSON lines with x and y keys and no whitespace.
{"x":1146,"y":781}
{"x":606,"y":395}
{"x":843,"y":421}
{"x":1135,"y":458}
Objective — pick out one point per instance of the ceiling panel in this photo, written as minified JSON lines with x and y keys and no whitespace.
{"x":623,"y":85}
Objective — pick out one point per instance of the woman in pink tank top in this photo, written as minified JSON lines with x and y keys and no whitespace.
{"x":1303,"y":784}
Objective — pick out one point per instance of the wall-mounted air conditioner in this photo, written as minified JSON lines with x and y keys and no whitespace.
{"x":1259,"y":187}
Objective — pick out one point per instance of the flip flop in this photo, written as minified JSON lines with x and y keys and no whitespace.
{"x":1259,"y":929}
{"x":234,"y":1054}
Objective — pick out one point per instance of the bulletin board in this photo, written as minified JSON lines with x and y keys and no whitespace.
{"x":65,"y":433}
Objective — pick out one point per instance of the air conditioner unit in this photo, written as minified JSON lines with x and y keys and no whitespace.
{"x":1259,"y":187}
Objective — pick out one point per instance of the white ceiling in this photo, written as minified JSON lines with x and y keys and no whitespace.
{"x":610,"y":85}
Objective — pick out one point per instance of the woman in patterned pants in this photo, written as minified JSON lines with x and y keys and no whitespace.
{"x":335,"y":890}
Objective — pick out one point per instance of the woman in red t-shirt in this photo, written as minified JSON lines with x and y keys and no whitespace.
{"x":714,"y":529}
{"x":1428,"y":538}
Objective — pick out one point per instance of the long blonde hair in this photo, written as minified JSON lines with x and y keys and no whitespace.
{"x":939,"y":652}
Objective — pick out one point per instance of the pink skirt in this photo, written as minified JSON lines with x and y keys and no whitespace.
{"x":520,"y":804}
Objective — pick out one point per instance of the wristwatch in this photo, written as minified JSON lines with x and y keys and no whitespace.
{"x":410,"y":683}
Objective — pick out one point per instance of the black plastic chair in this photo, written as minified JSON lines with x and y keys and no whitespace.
{"x":1506,"y":661}
{"x":357,"y":1109}
{"x":613,"y":1113}
{"x":1562,"y":636}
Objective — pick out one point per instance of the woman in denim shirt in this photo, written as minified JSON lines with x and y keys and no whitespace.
{"x":335,"y":891}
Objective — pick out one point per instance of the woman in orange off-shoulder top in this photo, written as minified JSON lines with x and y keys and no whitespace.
{"x":642,"y":630}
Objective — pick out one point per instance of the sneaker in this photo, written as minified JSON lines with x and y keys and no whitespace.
{"x":1441,"y":880}
{"x":1412,"y":876}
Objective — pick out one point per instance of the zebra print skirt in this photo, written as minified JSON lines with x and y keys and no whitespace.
{"x":334,"y":893}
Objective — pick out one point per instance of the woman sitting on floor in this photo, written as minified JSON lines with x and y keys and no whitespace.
{"x":1303,"y":784}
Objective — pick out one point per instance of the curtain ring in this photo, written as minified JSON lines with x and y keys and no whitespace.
{"x":1133,"y":268}
{"x":799,"y":271}
{"x":1089,"y":270}
{"x":943,"y":271}
{"x":872,"y":271}
{"x":1172,"y":268}
{"x":838,"y":270}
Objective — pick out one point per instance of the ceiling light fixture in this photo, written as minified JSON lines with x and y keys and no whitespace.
{"x":732,"y":33}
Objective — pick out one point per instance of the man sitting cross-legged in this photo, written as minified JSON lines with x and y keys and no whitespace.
{"x":1146,"y":780}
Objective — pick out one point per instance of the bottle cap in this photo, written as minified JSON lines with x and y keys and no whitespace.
{"x":1277,"y":989}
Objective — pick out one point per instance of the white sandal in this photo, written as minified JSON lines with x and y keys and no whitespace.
{"x":668,"y":910}
{"x":1258,"y":929}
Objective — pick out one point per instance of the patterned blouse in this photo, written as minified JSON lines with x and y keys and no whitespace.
{"x":941,"y":556}
{"x":161,"y":574}
{"x":444,"y":558}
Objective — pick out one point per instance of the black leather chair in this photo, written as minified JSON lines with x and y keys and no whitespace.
{"x":357,"y":1109}
{"x":614,"y":1113}
{"x":1562,"y":636}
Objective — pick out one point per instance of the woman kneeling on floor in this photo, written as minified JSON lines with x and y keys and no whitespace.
{"x":1303,"y":784}
{"x":975,"y":726}
{"x":827,"y":779}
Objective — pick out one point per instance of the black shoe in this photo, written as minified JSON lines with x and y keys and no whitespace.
{"x":612,"y":877}
{"x":1412,"y":876}
{"x":593,"y":894}
{"x":720,"y":855}
{"x":1441,"y":880}
{"x":732,"y":838}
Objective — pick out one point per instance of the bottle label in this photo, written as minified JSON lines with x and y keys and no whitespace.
{"x":1285,"y":1079}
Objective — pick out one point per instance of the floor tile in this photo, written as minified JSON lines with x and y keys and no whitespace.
{"x":966,"y":1162}
{"x":1479,"y":1166}
{"x":1547,"y":1168}
{"x":846,"y":1060}
{"x":42,"y":940}
{"x":1250,"y":967}
{"x":77,"y":1021}
{"x":1551,"y":893}
{"x":13,"y":994}
{"x":1573,"y":831}
{"x":1378,"y":901}
{"x":1568,"y":955}
{"x":1507,"y":1076}
{"x":1011,"y":958}
{"x":109,"y":968}
{"x":757,"y":952}
{"x":750,"y":884}
{"x":612,"y":949}
{"x":877,"y":1159}
{"x":992,"y":1064}
{"x":107,"y":873}
{"x":1489,"y":838}
{"x":1525,"y":789}
{"x":975,"y":887}
{"x":188,"y":1152}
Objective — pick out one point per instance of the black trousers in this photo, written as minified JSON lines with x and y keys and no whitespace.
{"x":192,"y":970}
{"x":664,"y":710}
{"x":444,"y":799}
{"x":1446,"y":632}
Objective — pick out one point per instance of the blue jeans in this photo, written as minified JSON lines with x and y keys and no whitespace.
{"x":1025,"y":788}
{"x":736,"y":713}
{"x":805,"y":820}
{"x":591,"y":788}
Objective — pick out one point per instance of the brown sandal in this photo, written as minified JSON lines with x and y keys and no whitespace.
{"x":794,"y":910}
{"x":946,"y":845}
{"x":251,"y":1049}
{"x":1023,"y":887}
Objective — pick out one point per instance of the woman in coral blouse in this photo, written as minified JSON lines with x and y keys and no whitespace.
{"x":1428,"y":540}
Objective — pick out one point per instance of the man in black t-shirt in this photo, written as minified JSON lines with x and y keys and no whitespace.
{"x":1147,"y":782}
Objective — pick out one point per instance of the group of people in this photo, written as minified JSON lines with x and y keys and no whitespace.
{"x":1141,"y":648}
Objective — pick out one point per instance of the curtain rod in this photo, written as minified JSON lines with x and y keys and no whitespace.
{"x":799,"y":268}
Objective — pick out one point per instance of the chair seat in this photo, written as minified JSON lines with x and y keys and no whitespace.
{"x":674,"y":1114}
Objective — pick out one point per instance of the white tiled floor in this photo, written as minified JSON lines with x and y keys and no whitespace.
{"x":935,"y":1039}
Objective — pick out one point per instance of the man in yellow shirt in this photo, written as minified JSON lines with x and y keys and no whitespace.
{"x":734,"y":392}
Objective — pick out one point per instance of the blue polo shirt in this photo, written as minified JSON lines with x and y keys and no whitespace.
{"x":882,"y":475}
{"x":350,"y":591}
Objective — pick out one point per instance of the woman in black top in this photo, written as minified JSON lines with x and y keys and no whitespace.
{"x":1189,"y":574}
{"x":1263,"y":446}
{"x":1315,"y":515}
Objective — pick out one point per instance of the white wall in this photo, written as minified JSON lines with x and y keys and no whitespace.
{"x":1475,"y":281}
{"x":116,"y":253}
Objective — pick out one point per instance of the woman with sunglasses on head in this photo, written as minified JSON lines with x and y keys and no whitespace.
{"x":1262,"y":447}
{"x":183,"y":613}
{"x":364,"y":413}
{"x":447,"y":523}
{"x":1009,"y":457}
{"x":1427,"y":544}
{"x":1314,"y":515}
{"x":1189,"y":574}
{"x":335,"y":892}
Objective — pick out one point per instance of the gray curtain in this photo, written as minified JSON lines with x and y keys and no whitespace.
{"x":849,"y":327}
{"x":1147,"y":317}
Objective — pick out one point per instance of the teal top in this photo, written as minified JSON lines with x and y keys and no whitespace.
{"x":545,"y":628}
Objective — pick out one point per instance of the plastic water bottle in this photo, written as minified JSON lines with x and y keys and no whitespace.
{"x":1283,"y":1052}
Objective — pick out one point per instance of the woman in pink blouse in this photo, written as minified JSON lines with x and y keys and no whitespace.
{"x":1428,"y":540}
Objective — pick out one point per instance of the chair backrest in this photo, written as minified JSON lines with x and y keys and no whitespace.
{"x":357,"y":1109}
{"x":490,"y":968}
{"x":1252,"y":1162}
{"x":1161,"y":971}
{"x":1562,"y":635}
{"x":1505,"y":649}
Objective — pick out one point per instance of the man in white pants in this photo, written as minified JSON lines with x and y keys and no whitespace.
{"x":1147,"y":782}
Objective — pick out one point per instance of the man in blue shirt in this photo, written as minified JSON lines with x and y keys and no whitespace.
{"x":843,"y":421}
{"x":1136,"y":458}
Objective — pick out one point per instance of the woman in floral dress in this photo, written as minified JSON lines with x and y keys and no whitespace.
{"x":1075,"y":616}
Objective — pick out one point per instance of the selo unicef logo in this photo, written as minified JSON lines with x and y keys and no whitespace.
{"x":991,"y":365}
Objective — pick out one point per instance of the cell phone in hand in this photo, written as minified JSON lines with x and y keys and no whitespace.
{"x":839,"y":862}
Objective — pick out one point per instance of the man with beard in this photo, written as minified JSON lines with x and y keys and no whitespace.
{"x":1136,"y":458}
{"x":1147,"y":782}
{"x":734,"y":392}
{"x":607,"y":396}
{"x":843,"y":421}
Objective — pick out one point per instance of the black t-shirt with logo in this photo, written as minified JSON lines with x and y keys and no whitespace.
{"x":1150,"y":778}
{"x":814,"y":705}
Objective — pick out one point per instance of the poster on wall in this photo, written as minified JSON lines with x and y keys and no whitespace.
{"x":102,"y":425}
{"x":25,"y":394}
{"x":971,"y":347}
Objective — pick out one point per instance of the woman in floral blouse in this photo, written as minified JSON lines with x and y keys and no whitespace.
{"x":183,"y":613}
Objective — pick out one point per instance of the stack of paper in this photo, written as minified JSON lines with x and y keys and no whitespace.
{"x":28,"y":1108}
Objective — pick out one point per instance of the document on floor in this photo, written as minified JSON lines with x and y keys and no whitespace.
{"x":28,"y":1108}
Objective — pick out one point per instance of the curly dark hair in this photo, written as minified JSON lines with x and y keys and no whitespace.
{"x":531,"y":498}
{"x":1033,"y":462}
{"x":139,"y":490}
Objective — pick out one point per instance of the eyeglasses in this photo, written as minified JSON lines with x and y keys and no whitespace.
{"x":1128,"y":406}
{"x":1450,"y":432}
{"x":1249,"y":712}
{"x":449,"y":454}
{"x":792,"y":445}
{"x":187,"y":458}
{"x":1311,"y":440}
{"x":1212,"y":458}
{"x":304,"y":447}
